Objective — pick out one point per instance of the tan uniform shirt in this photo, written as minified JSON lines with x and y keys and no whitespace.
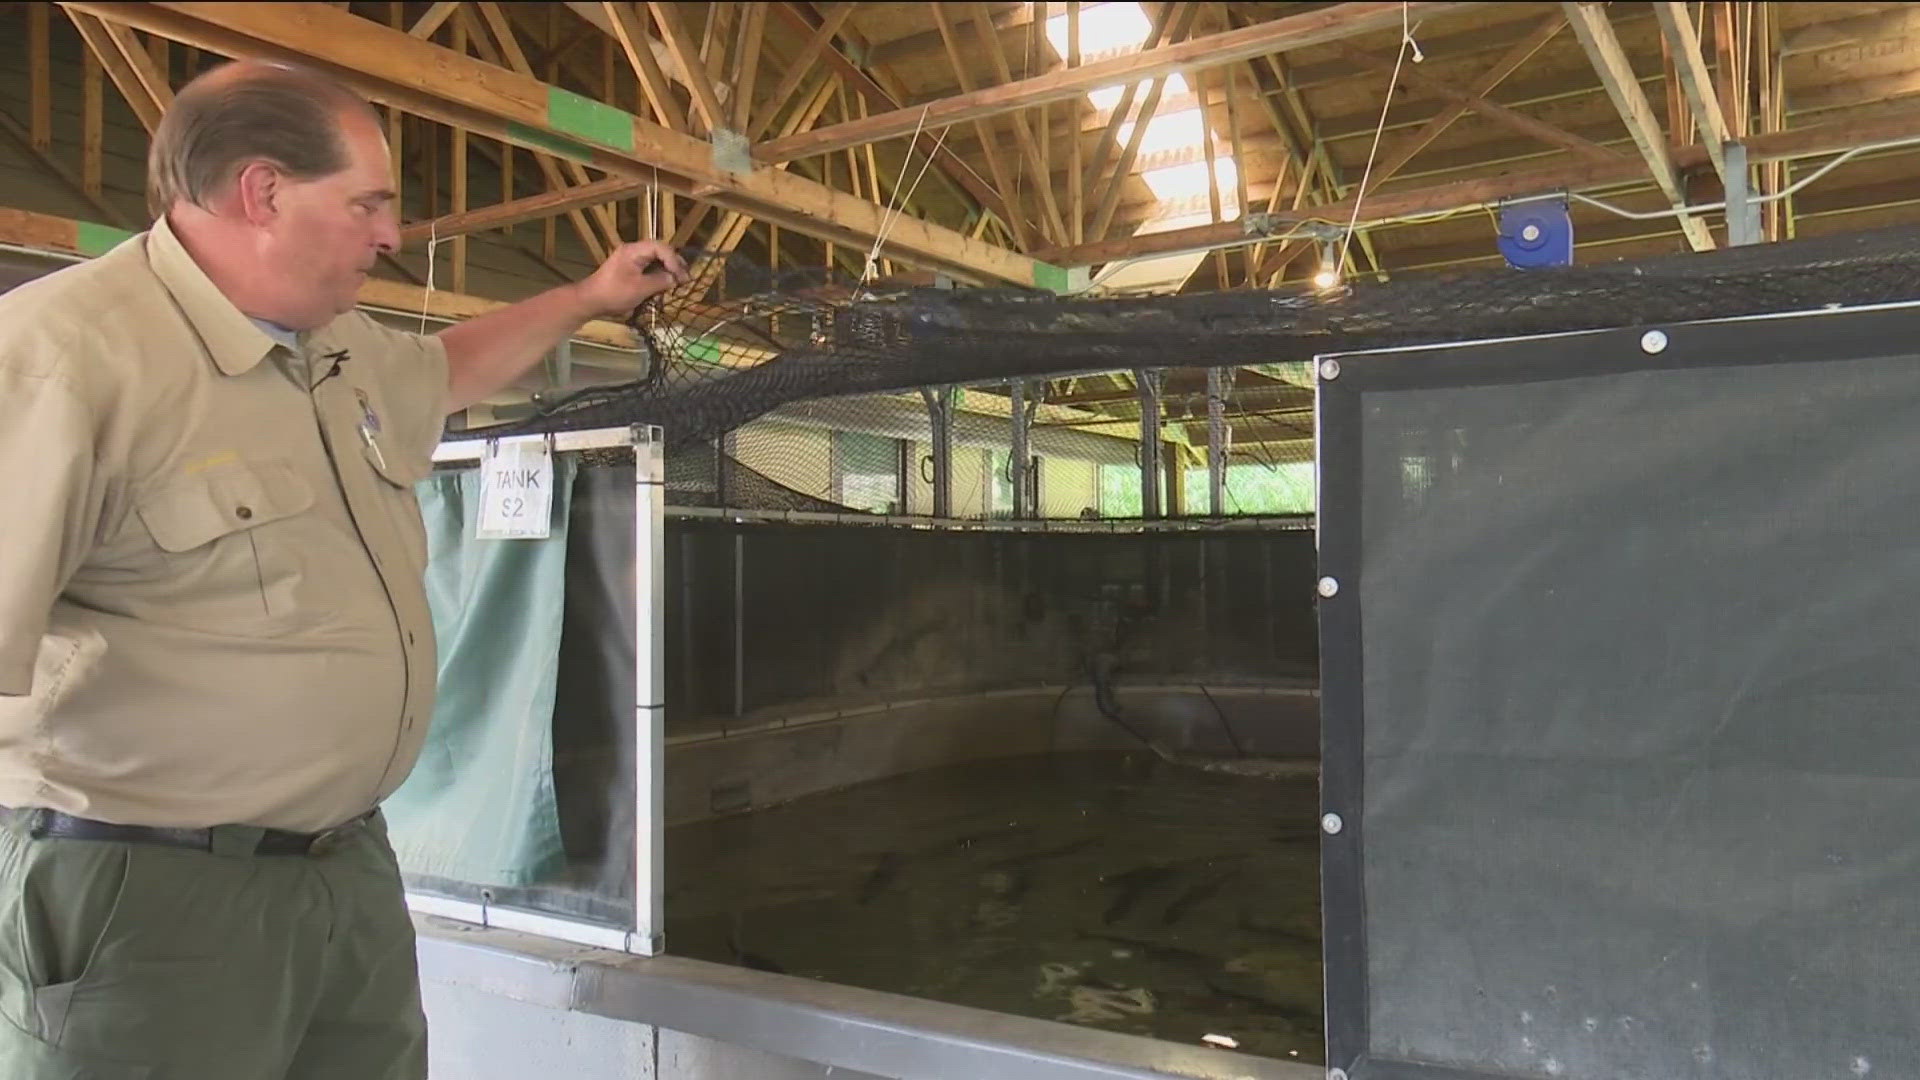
{"x":211,"y":598}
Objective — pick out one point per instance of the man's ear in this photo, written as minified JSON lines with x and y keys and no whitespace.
{"x":257,"y":189}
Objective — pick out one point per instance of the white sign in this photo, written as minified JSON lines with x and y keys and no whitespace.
{"x":516,"y":490}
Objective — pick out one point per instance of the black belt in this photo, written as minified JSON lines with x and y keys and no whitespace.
{"x":52,"y":823}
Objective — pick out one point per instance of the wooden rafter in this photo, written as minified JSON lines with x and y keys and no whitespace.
{"x":1810,"y":141}
{"x":1492,"y":110}
{"x":59,"y":170}
{"x":673,"y":30}
{"x":1690,"y":68}
{"x":819,"y":41}
{"x":436,"y":16}
{"x":506,"y":46}
{"x":1405,"y":150}
{"x":882,"y":91}
{"x":1315,"y":27}
{"x":385,"y":65}
{"x":1029,"y":146}
{"x":128,"y":65}
{"x":746,"y":63}
{"x":1002,"y":177}
{"x":627,"y":28}
{"x":39,"y":80}
{"x":1589,"y":22}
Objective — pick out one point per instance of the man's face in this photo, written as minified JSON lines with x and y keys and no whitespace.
{"x":326,"y":233}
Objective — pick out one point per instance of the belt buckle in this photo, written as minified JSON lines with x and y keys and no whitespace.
{"x":324,"y":842}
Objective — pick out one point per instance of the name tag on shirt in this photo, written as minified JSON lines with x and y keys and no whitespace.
{"x":516,"y":490}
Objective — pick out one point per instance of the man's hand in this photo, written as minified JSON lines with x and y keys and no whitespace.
{"x":625,"y":280}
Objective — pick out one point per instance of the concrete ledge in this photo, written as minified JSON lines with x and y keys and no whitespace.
{"x":885,"y":1035}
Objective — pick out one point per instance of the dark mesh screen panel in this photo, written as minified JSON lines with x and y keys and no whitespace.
{"x":1623,"y":705}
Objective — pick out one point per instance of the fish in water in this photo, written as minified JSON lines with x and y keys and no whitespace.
{"x":1135,"y":883}
{"x":1196,"y":896}
{"x":747,"y":959}
{"x":883,"y":874}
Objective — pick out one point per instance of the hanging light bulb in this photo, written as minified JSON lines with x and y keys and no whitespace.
{"x":1328,"y":276}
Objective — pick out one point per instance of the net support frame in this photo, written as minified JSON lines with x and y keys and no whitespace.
{"x":1017,"y":456}
{"x":646,"y":937}
{"x":1147,"y":382}
{"x":1217,"y":441}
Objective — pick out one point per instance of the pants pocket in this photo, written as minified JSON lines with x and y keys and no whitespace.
{"x":71,"y":900}
{"x":24,"y":1057}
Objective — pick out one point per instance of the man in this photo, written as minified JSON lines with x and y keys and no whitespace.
{"x":216,"y":657}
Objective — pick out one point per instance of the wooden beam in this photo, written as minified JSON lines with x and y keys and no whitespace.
{"x":39,"y":80}
{"x":1076,"y":177}
{"x":817,"y":41}
{"x":1123,"y":171}
{"x":46,"y":232}
{"x":1902,"y":21}
{"x":1022,"y":134}
{"x":597,"y":243}
{"x":532,"y":208}
{"x":1002,"y":178}
{"x":436,"y":16}
{"x":1492,"y":110}
{"x":673,"y":30}
{"x":130,"y":68}
{"x":1690,"y":66}
{"x":1811,"y":141}
{"x":386,"y":66}
{"x":948,"y":165}
{"x":457,"y":166}
{"x":1158,"y":34}
{"x":1609,"y":60}
{"x":92,"y":125}
{"x":60,"y":171}
{"x":746,"y":63}
{"x":1726,"y":67}
{"x":625,"y":26}
{"x":1316,"y":27}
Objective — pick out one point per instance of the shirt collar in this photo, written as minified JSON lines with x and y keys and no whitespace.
{"x":235,"y":343}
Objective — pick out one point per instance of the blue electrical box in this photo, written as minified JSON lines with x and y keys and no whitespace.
{"x":1536,"y":233}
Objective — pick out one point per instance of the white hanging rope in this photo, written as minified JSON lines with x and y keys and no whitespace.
{"x":433,"y":246}
{"x":1360,"y":193}
{"x":901,"y":193}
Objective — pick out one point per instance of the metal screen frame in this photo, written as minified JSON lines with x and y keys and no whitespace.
{"x":647,"y":936}
{"x":1344,"y":383}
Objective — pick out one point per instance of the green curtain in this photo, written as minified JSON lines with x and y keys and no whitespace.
{"x":479,"y":807}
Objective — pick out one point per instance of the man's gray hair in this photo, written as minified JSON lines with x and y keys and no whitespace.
{"x":241,"y":113}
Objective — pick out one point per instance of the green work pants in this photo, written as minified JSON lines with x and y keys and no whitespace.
{"x":131,"y":961}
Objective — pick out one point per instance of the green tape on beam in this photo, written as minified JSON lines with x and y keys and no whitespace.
{"x":548,"y":141}
{"x":95,"y":239}
{"x":1054,"y":279}
{"x":588,"y":119}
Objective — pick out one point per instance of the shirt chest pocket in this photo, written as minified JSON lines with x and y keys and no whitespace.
{"x":229,"y":534}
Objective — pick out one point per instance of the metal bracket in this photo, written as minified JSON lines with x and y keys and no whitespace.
{"x":731,"y":152}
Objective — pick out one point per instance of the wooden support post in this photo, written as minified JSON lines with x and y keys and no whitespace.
{"x":700,"y":80}
{"x":1023,"y":136}
{"x":746,"y":63}
{"x":128,"y":65}
{"x":1314,"y":27}
{"x":39,"y":78}
{"x":1076,"y":178}
{"x":457,"y":162}
{"x":435,"y":17}
{"x":92,"y":107}
{"x":506,"y":46}
{"x":1623,"y":86}
{"x":631,"y":32}
{"x":1676,"y":26}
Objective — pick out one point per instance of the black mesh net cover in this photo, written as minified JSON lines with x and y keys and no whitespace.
{"x":1622,"y":712}
{"x":742,"y":340}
